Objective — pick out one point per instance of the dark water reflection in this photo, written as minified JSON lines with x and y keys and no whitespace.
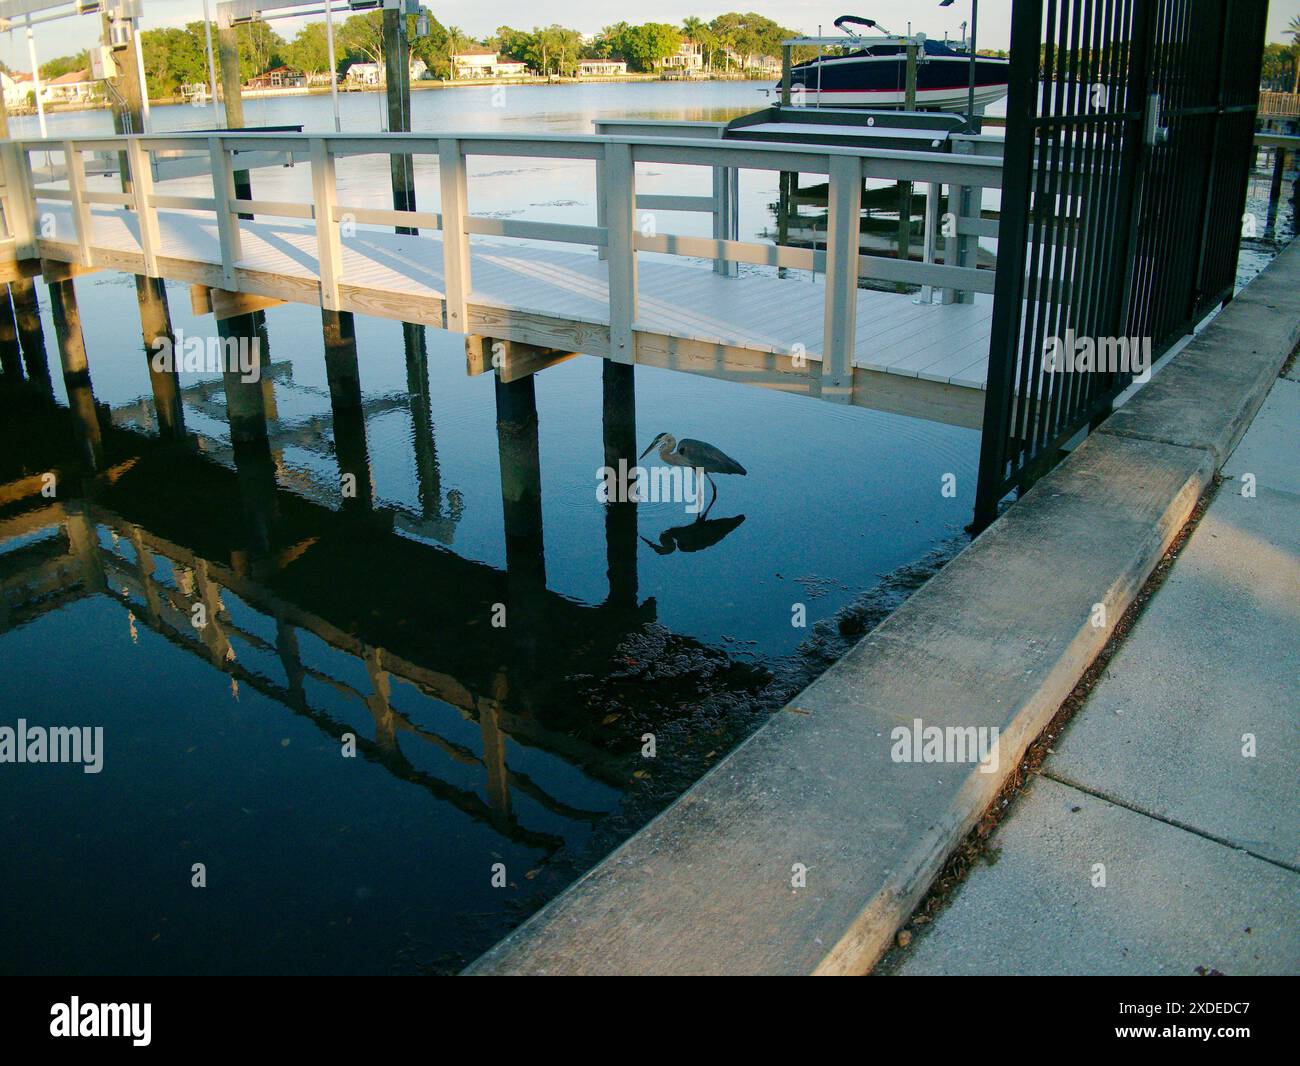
{"x":372,"y":615}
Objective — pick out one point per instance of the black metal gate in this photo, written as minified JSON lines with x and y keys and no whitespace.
{"x":1130,"y":126}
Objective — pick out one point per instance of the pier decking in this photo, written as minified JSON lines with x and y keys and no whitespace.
{"x":532,"y":283}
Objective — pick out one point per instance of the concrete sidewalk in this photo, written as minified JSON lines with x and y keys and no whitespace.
{"x":1155,"y":783}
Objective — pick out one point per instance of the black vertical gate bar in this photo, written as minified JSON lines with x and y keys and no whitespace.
{"x":1127,"y":235}
{"x":1009,"y":285}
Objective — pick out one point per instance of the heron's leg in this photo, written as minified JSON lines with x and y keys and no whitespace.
{"x":715,"y":492}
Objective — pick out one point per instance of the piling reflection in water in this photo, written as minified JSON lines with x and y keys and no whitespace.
{"x":159,"y":527}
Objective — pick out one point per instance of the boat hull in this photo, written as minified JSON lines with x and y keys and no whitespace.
{"x":942,"y":82}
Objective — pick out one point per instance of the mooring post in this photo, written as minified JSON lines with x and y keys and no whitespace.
{"x":1275,"y":189}
{"x":259,"y":500}
{"x":156,"y":330}
{"x":31,"y":335}
{"x":618,"y":384}
{"x":233,"y":101}
{"x":397,"y":71}
{"x":428,"y":475}
{"x":344,"y":376}
{"x":11,"y":360}
{"x":76,"y":369}
{"x":521,"y":479}
{"x":67,"y":330}
{"x":245,"y":403}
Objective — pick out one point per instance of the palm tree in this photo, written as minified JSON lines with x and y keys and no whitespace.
{"x":693,"y":30}
{"x":456,"y":40}
{"x":1293,"y":28}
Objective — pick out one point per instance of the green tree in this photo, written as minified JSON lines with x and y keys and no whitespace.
{"x":62,"y":65}
{"x":644,"y":46}
{"x":173,"y":57}
{"x":1293,"y":28}
{"x":362,"y":37}
{"x":309,"y":51}
{"x":260,"y":49}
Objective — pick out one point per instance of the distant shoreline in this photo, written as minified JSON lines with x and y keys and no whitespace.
{"x":461,"y":83}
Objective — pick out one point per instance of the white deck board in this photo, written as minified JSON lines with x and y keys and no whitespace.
{"x":678,"y":298}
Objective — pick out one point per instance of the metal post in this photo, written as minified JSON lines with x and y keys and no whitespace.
{"x":36,"y":77}
{"x":212,"y":65}
{"x":397,"y":62}
{"x":334,"y":63}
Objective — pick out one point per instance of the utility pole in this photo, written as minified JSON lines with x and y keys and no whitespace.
{"x":128,"y":95}
{"x":397,"y":69}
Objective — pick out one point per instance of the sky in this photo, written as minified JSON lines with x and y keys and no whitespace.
{"x":479,"y":19}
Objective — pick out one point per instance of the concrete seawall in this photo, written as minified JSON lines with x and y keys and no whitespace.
{"x":996,"y":640}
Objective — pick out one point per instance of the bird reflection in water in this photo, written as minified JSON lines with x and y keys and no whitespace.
{"x":694,"y":536}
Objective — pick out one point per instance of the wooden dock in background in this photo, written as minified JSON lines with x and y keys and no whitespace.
{"x":569,"y":289}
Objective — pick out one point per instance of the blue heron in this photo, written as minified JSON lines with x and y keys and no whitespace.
{"x":697,"y":455}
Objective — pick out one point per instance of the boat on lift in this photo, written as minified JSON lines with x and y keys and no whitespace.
{"x":873,"y":73}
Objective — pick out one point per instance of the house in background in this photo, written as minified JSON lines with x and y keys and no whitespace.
{"x":72,"y":87}
{"x":365,"y":74}
{"x":601,"y":68}
{"x":752,"y":62}
{"x":689,"y":58}
{"x":16,"y":84}
{"x":278,"y":78}
{"x":485,"y":63}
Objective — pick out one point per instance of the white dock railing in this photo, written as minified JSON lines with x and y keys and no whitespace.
{"x":617,"y":232}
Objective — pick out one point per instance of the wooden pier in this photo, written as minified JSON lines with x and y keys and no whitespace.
{"x":616,"y":289}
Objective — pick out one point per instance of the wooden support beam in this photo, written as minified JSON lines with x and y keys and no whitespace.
{"x":226,"y":304}
{"x":511,"y":360}
{"x":201,"y":299}
{"x":55,"y":270}
{"x":17,"y":269}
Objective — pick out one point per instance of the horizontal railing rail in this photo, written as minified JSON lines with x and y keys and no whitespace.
{"x":618,"y":235}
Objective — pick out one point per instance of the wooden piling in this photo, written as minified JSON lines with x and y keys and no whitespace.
{"x":428,"y":473}
{"x":245,"y":403}
{"x":232,"y":99}
{"x":521,"y":480}
{"x":76,"y":370}
{"x":156,"y":330}
{"x":67,"y":330}
{"x":344,"y":377}
{"x":31,"y":335}
{"x":618,"y":388}
{"x":11,"y":360}
{"x":397,"y":71}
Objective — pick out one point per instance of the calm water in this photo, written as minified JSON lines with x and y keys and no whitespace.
{"x":476,"y":746}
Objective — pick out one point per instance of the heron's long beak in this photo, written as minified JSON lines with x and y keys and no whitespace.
{"x":651,"y":445}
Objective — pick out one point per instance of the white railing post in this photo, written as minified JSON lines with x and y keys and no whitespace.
{"x":929,"y":234}
{"x":455,"y":237}
{"x":844,"y":200}
{"x":964,"y":201}
{"x":223,"y":192}
{"x":620,"y":222}
{"x":329,"y":252}
{"x":603,"y":251}
{"x":21,"y":206}
{"x":81,"y":219}
{"x":726,"y":217}
{"x":137,"y":158}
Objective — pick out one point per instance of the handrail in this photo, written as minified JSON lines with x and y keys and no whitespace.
{"x":618,"y":234}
